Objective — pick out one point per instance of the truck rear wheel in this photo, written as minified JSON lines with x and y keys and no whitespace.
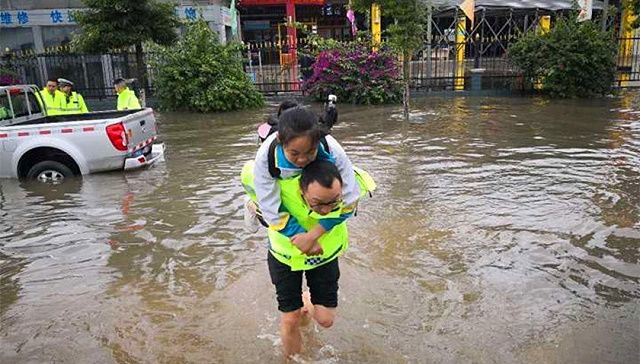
{"x":49,"y":172}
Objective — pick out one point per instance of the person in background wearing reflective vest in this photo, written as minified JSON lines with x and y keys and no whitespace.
{"x":52,"y":97}
{"x":73,"y":102}
{"x":127,"y":99}
{"x":314,"y":195}
{"x":5,"y":110}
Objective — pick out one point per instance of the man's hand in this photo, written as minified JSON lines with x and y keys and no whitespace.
{"x":316,"y":249}
{"x":306,"y":243}
{"x":303,"y":241}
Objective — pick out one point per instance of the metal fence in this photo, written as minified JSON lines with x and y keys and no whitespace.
{"x":432,"y":68}
{"x":92,"y":74}
{"x":628,"y":62}
{"x":273,"y":70}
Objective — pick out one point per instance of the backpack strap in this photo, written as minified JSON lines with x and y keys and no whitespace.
{"x":271,"y":156}
{"x":325,"y":144}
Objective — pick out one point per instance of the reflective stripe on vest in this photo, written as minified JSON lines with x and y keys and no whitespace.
{"x":52,"y":102}
{"x":127,"y":100}
{"x":72,"y":105}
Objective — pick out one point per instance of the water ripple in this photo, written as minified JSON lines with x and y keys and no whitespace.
{"x":500,"y":225}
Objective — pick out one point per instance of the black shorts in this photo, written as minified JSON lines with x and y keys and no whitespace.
{"x":322,"y":282}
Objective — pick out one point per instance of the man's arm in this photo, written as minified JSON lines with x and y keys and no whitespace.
{"x":133,"y":102}
{"x":350,"y":189}
{"x":328,"y":223}
{"x":83,"y":106}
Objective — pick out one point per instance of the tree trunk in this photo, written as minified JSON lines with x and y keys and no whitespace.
{"x":406,"y":75}
{"x":429,"y":44}
{"x":605,"y":15}
{"x":141,"y":67}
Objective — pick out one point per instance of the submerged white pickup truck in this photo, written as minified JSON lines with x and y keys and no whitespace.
{"x":52,"y":148}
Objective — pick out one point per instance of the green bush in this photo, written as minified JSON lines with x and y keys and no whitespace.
{"x":634,"y":7}
{"x":200,"y":74}
{"x":571,"y":60}
{"x":8,"y":76}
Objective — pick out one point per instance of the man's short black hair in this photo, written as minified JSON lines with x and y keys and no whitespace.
{"x":118,"y":81}
{"x":52,"y":79}
{"x":321,"y":171}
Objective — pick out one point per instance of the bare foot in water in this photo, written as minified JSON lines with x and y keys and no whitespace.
{"x":307,"y":309}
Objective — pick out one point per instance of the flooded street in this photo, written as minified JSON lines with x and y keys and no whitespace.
{"x":503,"y":230}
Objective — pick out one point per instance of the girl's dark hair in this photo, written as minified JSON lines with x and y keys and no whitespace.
{"x":321,"y":171}
{"x":286,"y":105}
{"x":297,"y":122}
{"x":273,"y":119}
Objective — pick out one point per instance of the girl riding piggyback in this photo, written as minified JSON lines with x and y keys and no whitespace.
{"x":300,"y":140}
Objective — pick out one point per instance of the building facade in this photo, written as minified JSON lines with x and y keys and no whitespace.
{"x":31,"y":32}
{"x":40,"y":25}
{"x":266,"y":20}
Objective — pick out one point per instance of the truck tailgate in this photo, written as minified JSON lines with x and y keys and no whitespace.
{"x":141,"y":129}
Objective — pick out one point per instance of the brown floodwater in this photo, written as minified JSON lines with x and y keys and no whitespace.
{"x":503,"y":230}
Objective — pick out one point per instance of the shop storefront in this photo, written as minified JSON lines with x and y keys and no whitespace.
{"x":269,"y":20}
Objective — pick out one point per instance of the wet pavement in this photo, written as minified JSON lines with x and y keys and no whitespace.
{"x":503,"y":230}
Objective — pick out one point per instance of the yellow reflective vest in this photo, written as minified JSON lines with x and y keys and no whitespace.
{"x":52,"y":102}
{"x":333,"y":242}
{"x":74,"y":104}
{"x":127,"y":100}
{"x":5,"y":113}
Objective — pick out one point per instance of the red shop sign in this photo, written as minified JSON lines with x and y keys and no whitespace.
{"x":279,"y":2}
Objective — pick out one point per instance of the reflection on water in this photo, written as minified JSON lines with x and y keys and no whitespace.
{"x":503,"y":230}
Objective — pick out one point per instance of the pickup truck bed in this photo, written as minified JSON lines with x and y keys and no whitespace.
{"x":51,"y":148}
{"x":112,"y":114}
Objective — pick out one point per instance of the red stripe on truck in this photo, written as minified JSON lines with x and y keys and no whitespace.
{"x":23,"y":133}
{"x":89,"y":128}
{"x":45,"y":132}
{"x":69,"y":130}
{"x":3,"y":135}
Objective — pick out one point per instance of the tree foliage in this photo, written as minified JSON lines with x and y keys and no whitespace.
{"x":405,"y":34}
{"x":109,"y":25}
{"x":407,"y":31}
{"x":634,"y":7}
{"x":571,"y":60}
{"x":200,"y":74}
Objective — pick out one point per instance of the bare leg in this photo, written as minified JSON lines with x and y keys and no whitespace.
{"x":308,"y":308}
{"x":324,"y":316}
{"x":290,"y":333}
